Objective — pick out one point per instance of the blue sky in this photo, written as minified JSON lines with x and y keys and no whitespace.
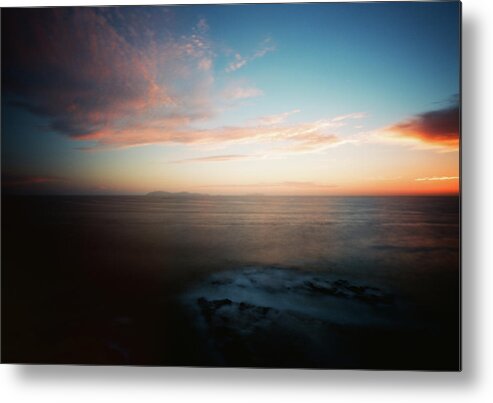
{"x":286,"y":98}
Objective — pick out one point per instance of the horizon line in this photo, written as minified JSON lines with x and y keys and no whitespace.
{"x":198,"y":195}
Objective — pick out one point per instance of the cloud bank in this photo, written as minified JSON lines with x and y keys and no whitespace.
{"x":92,"y":71}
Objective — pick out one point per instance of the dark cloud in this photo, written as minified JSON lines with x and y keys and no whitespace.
{"x":438,"y":127}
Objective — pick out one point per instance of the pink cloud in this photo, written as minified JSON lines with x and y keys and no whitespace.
{"x":108,"y":79}
{"x":276,"y":119}
{"x":241,"y":92}
{"x":93,"y":71}
{"x":275,"y":140}
{"x":302,"y":137}
{"x":205,"y":64}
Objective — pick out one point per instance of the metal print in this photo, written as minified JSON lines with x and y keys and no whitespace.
{"x":271,"y":185}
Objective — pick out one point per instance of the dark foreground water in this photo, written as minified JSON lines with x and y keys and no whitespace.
{"x":329,"y":282}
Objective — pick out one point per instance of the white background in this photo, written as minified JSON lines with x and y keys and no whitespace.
{"x":106,"y":384}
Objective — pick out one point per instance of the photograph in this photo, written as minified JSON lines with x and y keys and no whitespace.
{"x":232,"y":185}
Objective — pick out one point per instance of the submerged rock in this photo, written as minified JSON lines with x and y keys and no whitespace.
{"x":274,"y":316}
{"x":344,"y":289}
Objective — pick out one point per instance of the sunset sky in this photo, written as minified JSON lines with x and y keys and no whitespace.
{"x":316,"y":99}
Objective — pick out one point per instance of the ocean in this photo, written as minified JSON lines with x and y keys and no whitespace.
{"x":261,"y":281}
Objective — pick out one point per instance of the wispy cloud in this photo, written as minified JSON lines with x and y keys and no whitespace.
{"x":437,"y":178}
{"x":216,"y":158}
{"x":203,"y":26}
{"x":276,"y":119}
{"x":437,"y":129}
{"x":240,"y":61}
{"x":355,"y":115}
{"x":280,"y":139}
{"x":234,"y":93}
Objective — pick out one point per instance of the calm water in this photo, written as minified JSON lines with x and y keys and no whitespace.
{"x":351,"y":282}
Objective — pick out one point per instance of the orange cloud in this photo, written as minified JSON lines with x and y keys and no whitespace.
{"x":436,"y":129}
{"x":436,"y":178}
